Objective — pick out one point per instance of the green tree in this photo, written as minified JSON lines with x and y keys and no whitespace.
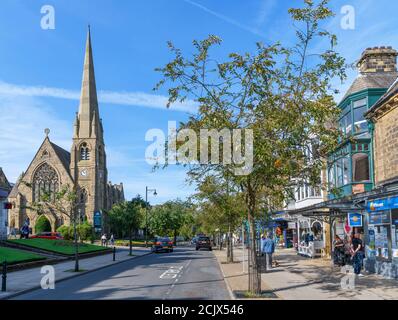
{"x":169,"y":218}
{"x":283,"y":94}
{"x":127,"y":217}
{"x":64,"y":202}
{"x":223,"y":207}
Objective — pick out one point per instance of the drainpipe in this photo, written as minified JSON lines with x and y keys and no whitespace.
{"x":371,"y":127}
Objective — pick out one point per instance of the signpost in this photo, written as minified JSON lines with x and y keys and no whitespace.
{"x":98,"y":221}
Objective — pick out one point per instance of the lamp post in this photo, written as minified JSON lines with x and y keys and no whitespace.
{"x":146,"y":212}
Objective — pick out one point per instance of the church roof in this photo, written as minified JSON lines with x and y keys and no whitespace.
{"x":63,"y":155}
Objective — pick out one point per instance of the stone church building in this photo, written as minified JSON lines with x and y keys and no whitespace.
{"x":84,"y":167}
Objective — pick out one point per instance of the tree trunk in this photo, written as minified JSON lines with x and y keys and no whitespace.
{"x":76,"y":246}
{"x":175,"y":237}
{"x":254,"y":274}
{"x":230,"y":257}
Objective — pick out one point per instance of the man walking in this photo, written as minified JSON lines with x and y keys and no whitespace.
{"x":357,"y":254}
{"x":268,"y":248}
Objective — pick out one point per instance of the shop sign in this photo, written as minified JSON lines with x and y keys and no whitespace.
{"x":383,"y":204}
{"x":376,"y":218}
{"x":355,"y":220}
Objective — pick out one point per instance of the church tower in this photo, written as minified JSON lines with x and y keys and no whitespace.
{"x":88,"y":158}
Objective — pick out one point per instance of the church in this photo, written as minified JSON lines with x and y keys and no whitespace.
{"x":83,"y":168}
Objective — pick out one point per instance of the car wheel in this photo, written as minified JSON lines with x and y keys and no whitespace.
{"x":197,"y":249}
{"x":210,"y":249}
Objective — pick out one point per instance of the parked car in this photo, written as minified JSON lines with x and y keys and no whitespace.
{"x":162,"y":244}
{"x":203,"y":242}
{"x":48,"y":235}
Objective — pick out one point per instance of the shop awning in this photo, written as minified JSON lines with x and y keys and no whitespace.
{"x":340,"y":207}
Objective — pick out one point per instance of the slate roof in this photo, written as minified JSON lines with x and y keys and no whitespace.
{"x":393,"y":90}
{"x":63,"y":155}
{"x":376,"y":80}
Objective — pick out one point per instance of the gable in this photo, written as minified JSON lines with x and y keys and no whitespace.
{"x":4,"y":184}
{"x":54,"y":156}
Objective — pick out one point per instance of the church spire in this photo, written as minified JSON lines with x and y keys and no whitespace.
{"x":88,"y":108}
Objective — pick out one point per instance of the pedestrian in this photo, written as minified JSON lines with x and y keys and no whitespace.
{"x":103,"y":240}
{"x":262,"y":240}
{"x":112,"y":240}
{"x":338,"y":251}
{"x":357,"y":254}
{"x":269,"y":249}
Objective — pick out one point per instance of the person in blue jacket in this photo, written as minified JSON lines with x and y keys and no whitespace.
{"x":268,"y":248}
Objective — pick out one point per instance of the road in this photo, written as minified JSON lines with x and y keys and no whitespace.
{"x":183,"y":274}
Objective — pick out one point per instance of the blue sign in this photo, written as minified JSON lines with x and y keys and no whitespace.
{"x":355,"y":220}
{"x":97,"y":220}
{"x":383,"y":204}
{"x":377,"y":218}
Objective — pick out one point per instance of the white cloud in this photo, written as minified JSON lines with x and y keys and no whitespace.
{"x":137,"y":99}
{"x":227,"y":19}
{"x":23,"y":122}
{"x":24,"y":119}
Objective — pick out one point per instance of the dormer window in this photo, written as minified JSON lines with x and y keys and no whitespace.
{"x":84,"y":152}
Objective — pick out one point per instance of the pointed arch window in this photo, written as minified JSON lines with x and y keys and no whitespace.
{"x":45,"y":180}
{"x":84,"y":152}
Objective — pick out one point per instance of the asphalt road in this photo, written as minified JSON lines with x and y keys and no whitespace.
{"x":183,"y":274}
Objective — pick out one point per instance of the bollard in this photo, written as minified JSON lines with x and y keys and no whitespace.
{"x":4,"y":277}
{"x":114,"y":253}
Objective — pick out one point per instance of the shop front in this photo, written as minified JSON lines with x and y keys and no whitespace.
{"x":284,"y":230}
{"x":311,"y":235}
{"x":382,"y":240}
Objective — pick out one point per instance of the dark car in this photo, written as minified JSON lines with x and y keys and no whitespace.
{"x":203,"y":243}
{"x":162,"y":244}
{"x":48,"y":235}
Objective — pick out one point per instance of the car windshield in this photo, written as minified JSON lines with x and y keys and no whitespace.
{"x":204,"y":239}
{"x":164,"y":239}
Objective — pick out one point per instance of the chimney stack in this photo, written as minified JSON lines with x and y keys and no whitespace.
{"x":378,"y":59}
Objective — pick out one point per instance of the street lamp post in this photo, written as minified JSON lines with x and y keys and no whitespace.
{"x":146,"y":212}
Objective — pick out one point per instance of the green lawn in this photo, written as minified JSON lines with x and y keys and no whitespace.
{"x":13,"y":256}
{"x":58,"y":246}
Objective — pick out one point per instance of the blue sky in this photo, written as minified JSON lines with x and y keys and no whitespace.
{"x":129,"y":42}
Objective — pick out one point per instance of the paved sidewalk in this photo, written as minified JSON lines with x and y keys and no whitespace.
{"x":299,"y":278}
{"x":20,"y":281}
{"x":235,"y":277}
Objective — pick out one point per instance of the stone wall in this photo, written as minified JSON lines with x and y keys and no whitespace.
{"x":378,"y":59}
{"x":386,"y":146}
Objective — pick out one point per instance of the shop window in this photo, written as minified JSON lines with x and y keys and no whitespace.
{"x":394,"y":234}
{"x":360,"y":167}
